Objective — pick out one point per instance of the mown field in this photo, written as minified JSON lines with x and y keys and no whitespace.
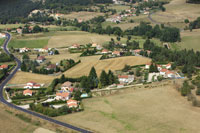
{"x":138,"y":111}
{"x":4,"y":26}
{"x":82,"y":15}
{"x":176,"y":12}
{"x":109,"y":64}
{"x":119,"y":8}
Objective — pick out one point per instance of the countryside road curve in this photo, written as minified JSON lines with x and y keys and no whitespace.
{"x":10,"y":76}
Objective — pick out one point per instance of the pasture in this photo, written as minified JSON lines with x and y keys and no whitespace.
{"x":109,"y":64}
{"x":4,"y":26}
{"x":118,"y":8}
{"x":1,"y":41}
{"x":83,"y":15}
{"x":177,"y":11}
{"x":138,"y":110}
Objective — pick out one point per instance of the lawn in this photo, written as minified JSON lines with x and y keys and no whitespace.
{"x":138,"y":111}
{"x":29,"y":43}
{"x":109,"y":64}
{"x":1,"y":41}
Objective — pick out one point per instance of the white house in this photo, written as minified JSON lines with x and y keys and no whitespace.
{"x":170,"y":74}
{"x":163,"y":72}
{"x":147,"y":66}
{"x":31,"y":85}
{"x":23,"y":50}
{"x":168,"y":66}
{"x":72,"y":103}
{"x":66,"y":86}
{"x":126,"y":78}
{"x":2,"y":35}
{"x":40,"y":59}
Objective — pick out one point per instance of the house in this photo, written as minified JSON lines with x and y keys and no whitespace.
{"x":19,"y":31}
{"x":147,"y":66}
{"x":23,"y":50}
{"x":72,"y":103}
{"x":51,"y":67}
{"x":120,"y":85}
{"x":137,"y":51}
{"x":66,"y":86}
{"x":4,"y":66}
{"x":27,"y":92}
{"x":104,"y":51}
{"x":45,"y":49}
{"x":31,"y":85}
{"x":168,"y":66}
{"x":116,"y":53}
{"x":159,"y":67}
{"x":163,"y":72}
{"x":2,"y":35}
{"x":126,"y":78}
{"x":62,"y":96}
{"x":75,"y":46}
{"x":40,"y":59}
{"x":170,"y":74}
{"x":94,"y":45}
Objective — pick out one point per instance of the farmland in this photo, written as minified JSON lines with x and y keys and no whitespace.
{"x":109,"y":64}
{"x":140,"y":110}
{"x":1,"y":41}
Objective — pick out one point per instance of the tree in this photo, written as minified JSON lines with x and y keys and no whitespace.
{"x":93,"y":79}
{"x":104,"y":78}
{"x":99,"y":85}
{"x":23,"y":66}
{"x":186,"y":21}
{"x":138,"y":73}
{"x":77,"y":95}
{"x":62,"y":79}
{"x":85,"y":83}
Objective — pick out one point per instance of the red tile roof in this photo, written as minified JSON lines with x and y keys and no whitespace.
{"x":67,"y":84}
{"x":163,"y":70}
{"x":63,"y":94}
{"x":27,"y":91}
{"x":4,"y":66}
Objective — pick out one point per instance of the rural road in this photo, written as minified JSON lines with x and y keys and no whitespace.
{"x":10,"y":76}
{"x":151,"y":19}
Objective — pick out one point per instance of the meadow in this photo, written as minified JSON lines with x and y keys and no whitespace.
{"x":139,"y":110}
{"x":109,"y":64}
{"x":1,"y":41}
{"x":4,"y":26}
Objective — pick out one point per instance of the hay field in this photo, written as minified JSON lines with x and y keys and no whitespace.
{"x":109,"y":64}
{"x":156,"y":110}
{"x":178,"y":11}
{"x":24,"y":77}
{"x":67,"y":38}
{"x":190,"y":40}
{"x":82,"y":15}
{"x":4,"y":26}
{"x":119,"y":8}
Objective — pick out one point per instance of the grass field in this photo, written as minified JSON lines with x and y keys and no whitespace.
{"x":119,"y":8}
{"x":4,"y":26}
{"x":109,"y":64}
{"x":156,"y":110}
{"x":190,"y":40}
{"x":29,"y":43}
{"x":24,"y":77}
{"x":178,"y":11}
{"x":68,"y":38}
{"x":1,"y":41}
{"x":82,"y":15}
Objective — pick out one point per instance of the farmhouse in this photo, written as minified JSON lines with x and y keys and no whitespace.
{"x":163,"y":72}
{"x":45,"y":49}
{"x":168,"y":66}
{"x":62,"y":96}
{"x":27,"y":92}
{"x":159,"y":67}
{"x":170,"y":74}
{"x":137,"y":51}
{"x":72,"y":103}
{"x":4,"y":66}
{"x":19,"y":31}
{"x":40,"y":59}
{"x":32,"y":84}
{"x":75,"y":46}
{"x":23,"y":50}
{"x":147,"y":66}
{"x":104,"y":51}
{"x":126,"y":78}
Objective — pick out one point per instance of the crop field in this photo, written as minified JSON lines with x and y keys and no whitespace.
{"x":109,"y":64}
{"x":29,"y":43}
{"x":123,"y":25}
{"x":138,"y":110}
{"x":178,"y":11}
{"x":68,"y":38}
{"x":4,"y":26}
{"x":24,"y":77}
{"x":82,"y":15}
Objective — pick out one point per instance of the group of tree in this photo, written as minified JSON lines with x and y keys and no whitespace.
{"x":195,"y":24}
{"x":166,"y":34}
{"x":193,"y":1}
{"x":153,"y":68}
{"x":35,"y":29}
{"x":5,"y":57}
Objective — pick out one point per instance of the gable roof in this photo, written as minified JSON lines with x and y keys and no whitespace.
{"x":51,"y":66}
{"x":4,"y":66}
{"x":28,"y":91}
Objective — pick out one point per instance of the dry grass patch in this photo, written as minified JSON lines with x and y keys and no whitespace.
{"x":83,"y":15}
{"x":156,"y":110}
{"x":24,"y":77}
{"x":109,"y":64}
{"x":65,"y":39}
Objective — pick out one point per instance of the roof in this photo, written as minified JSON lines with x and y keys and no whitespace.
{"x":71,"y":101}
{"x":51,"y":66}
{"x":170,"y":72}
{"x":41,"y":58}
{"x":4,"y":66}
{"x":163,"y":70}
{"x":116,"y":52}
{"x":67,"y":84}
{"x":168,"y":64}
{"x":104,"y":50}
{"x":27,"y":91}
{"x":137,"y":50}
{"x":62,"y":94}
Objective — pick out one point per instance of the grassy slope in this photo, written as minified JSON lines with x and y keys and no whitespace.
{"x":1,"y":41}
{"x":141,"y":111}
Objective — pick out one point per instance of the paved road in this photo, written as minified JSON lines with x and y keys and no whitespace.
{"x":9,"y":77}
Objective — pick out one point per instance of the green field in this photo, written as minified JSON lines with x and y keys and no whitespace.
{"x":190,"y":42}
{"x":40,"y":43}
{"x":119,"y":8}
{"x":4,"y":26}
{"x":1,"y":41}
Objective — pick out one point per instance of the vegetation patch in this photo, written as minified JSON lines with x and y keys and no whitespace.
{"x":35,"y":43}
